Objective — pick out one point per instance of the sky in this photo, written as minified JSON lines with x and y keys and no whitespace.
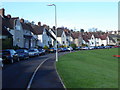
{"x":73,"y":15}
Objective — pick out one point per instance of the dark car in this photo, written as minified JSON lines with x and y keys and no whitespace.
{"x":42,"y":51}
{"x":22,"y":53}
{"x":65,"y":49}
{"x":9,"y":56}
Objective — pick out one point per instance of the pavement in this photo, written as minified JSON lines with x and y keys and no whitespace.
{"x":48,"y":77}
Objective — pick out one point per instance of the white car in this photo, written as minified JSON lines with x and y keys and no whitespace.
{"x":91,"y":48}
{"x":70,"y":48}
{"x":84,"y":48}
{"x":1,"y":64}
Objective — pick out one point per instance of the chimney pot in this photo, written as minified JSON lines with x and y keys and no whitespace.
{"x":22,"y":20}
{"x":39,"y":23}
{"x":2,"y":12}
{"x":8,"y":16}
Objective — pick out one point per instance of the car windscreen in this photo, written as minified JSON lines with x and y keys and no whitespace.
{"x":31,"y":50}
{"x":19,"y":51}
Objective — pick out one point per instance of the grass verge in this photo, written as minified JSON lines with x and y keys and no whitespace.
{"x":89,"y":69}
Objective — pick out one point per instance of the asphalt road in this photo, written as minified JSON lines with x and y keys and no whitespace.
{"x":18,"y":75}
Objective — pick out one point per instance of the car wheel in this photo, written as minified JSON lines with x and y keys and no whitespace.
{"x":11,"y":61}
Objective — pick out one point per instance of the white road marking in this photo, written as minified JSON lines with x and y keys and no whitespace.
{"x":31,"y":80}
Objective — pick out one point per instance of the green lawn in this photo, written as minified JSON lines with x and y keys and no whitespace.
{"x":89,"y":69}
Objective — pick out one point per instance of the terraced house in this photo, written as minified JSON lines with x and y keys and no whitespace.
{"x":95,"y":38}
{"x":24,"y":34}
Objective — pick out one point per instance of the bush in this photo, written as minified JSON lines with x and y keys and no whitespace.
{"x":73,"y":45}
{"x":83,"y":45}
{"x":45,"y":47}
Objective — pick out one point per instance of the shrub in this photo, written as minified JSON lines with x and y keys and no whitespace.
{"x":45,"y":47}
{"x":73,"y":45}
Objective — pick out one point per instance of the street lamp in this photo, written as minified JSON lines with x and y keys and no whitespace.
{"x":70,"y":41}
{"x":55,"y":28}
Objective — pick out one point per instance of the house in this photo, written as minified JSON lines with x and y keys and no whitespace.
{"x":44,"y":36}
{"x":5,"y":36}
{"x":114,"y":39}
{"x":53,"y":34}
{"x":77,"y":38}
{"x":27,"y":35}
{"x":69,"y":37}
{"x":95,"y":38}
{"x":61,"y":37}
{"x":13,"y":26}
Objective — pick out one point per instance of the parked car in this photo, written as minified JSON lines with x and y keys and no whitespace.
{"x":116,"y":46}
{"x":33,"y":52}
{"x":23,"y":53}
{"x":96,"y":47}
{"x":108,"y":46}
{"x":51,"y":50}
{"x":9,"y":55}
{"x":65,"y":49}
{"x":69,"y":48}
{"x":84,"y":48}
{"x":77,"y":48}
{"x":1,"y":64}
{"x":91,"y":47}
{"x":42,"y":51}
{"x":101,"y":47}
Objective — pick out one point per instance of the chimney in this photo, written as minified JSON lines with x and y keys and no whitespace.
{"x":44,"y":25}
{"x":22,"y":20}
{"x":39,"y":23}
{"x":8,"y":16}
{"x":2,"y":12}
{"x":54,"y":28}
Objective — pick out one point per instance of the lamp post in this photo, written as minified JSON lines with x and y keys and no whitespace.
{"x":55,"y":29}
{"x":70,"y":41}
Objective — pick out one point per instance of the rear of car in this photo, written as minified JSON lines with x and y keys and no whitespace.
{"x":51,"y":50}
{"x":9,"y":56}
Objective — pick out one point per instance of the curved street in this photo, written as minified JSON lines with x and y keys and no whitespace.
{"x":18,"y":75}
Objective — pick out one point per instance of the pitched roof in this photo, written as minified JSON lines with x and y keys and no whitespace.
{"x":9,"y":23}
{"x":85,"y":38}
{"x":3,"y":28}
{"x":59,"y":32}
{"x":6,"y":32}
{"x":38,"y":29}
{"x":26,"y":26}
{"x":111,"y":38}
{"x":103,"y":37}
{"x":76,"y":35}
{"x":49,"y":34}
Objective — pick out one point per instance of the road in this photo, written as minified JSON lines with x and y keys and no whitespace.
{"x":19,"y":74}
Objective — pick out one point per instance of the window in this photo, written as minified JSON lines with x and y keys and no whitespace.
{"x":92,"y":43}
{"x":63,"y":42}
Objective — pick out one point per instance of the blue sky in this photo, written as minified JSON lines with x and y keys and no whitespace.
{"x":101,"y":15}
